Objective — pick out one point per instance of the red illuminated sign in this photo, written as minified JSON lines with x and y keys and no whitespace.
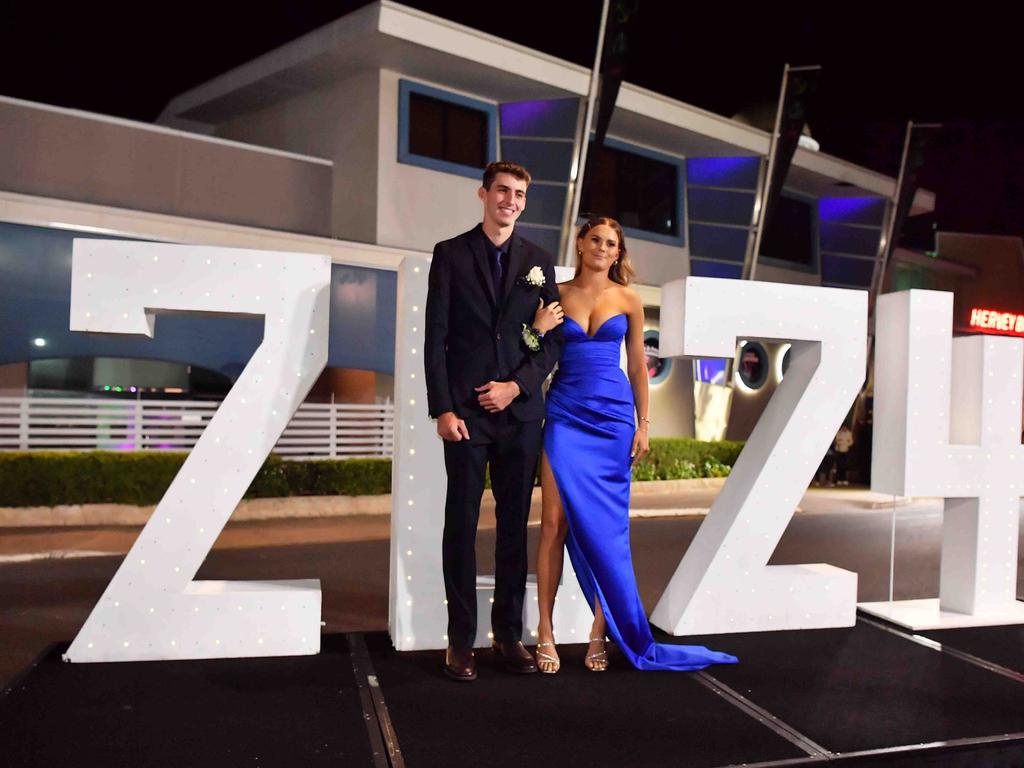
{"x":992,"y":321}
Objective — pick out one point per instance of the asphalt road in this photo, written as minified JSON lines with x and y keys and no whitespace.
{"x":46,"y":599}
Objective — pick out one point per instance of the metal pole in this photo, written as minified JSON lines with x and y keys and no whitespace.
{"x":579,"y":164}
{"x":886,"y":245}
{"x":568,"y":220}
{"x":877,"y":274}
{"x":765,"y":181}
{"x":887,"y":242}
{"x":750,"y":267}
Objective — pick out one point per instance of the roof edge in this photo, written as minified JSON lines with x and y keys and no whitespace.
{"x":350,"y":26}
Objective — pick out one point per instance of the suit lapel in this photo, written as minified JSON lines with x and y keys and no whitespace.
{"x":483,"y":266}
{"x":516,"y":257}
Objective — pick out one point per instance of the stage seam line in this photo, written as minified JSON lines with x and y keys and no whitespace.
{"x":380,"y":759}
{"x":359,"y":653}
{"x":781,"y":763}
{"x":932,"y":746}
{"x":935,"y":645}
{"x":762,"y":715}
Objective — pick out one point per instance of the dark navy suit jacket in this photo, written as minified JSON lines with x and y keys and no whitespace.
{"x":474,"y":336}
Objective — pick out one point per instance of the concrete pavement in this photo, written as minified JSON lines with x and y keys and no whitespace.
{"x":57,"y":542}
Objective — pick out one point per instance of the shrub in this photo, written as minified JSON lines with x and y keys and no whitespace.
{"x":682,"y":458}
{"x":48,"y":478}
{"x":346,"y":477}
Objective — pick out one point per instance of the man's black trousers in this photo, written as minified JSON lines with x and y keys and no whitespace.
{"x":512,"y":449}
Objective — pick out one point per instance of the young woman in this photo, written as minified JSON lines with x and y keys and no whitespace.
{"x":597,"y":423}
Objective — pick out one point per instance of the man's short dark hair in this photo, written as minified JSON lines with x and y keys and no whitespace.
{"x":504,"y":166}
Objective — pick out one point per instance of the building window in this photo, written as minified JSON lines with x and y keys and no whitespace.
{"x":791,"y":234}
{"x":444,"y":131}
{"x":643,"y":190}
{"x":752,"y":365}
{"x":710,"y":370}
{"x":658,"y":367}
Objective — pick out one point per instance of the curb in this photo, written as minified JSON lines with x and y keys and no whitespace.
{"x":290,"y":507}
{"x":71,"y":515}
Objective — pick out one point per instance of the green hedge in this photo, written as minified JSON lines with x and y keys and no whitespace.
{"x":325,"y":477}
{"x":682,"y":458}
{"x":48,"y":478}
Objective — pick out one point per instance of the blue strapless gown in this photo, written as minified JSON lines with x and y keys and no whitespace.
{"x":587,"y":438}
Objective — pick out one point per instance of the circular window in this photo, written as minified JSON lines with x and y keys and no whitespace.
{"x":658,"y":367}
{"x":752,"y":364}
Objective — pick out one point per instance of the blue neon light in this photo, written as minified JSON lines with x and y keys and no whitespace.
{"x":731,"y":172}
{"x":851,"y":210}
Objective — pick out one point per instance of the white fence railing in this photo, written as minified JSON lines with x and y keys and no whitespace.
{"x":317,"y":431}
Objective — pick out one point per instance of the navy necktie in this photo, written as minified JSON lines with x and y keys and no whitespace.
{"x":499,"y":270}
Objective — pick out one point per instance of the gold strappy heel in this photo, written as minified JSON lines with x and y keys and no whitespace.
{"x":547,"y":663}
{"x":598,"y":661}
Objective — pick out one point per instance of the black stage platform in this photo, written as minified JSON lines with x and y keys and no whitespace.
{"x":868,"y":695}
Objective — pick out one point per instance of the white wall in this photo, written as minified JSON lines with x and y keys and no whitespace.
{"x":657,"y":264}
{"x":671,"y":401}
{"x":417,"y":207}
{"x":339,"y":123}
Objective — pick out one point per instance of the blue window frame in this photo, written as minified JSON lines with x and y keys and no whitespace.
{"x":658,"y":195}
{"x":445,"y":131}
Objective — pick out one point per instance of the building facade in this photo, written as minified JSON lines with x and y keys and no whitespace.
{"x":365,"y":140}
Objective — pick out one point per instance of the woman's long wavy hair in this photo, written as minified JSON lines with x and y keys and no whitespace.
{"x":621,"y":271}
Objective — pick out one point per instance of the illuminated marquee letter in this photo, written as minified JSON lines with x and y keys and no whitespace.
{"x":417,"y":616}
{"x":152,"y":609}
{"x":947,"y":423}
{"x":723,"y":583}
{"x":991,"y":320}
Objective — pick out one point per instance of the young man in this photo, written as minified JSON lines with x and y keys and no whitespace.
{"x":484,"y":372}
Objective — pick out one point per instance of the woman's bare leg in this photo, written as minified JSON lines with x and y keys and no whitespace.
{"x":597,"y":658}
{"x":553,"y":530}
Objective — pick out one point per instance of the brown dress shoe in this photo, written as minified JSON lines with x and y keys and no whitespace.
{"x":514,"y":657}
{"x":459,"y":664}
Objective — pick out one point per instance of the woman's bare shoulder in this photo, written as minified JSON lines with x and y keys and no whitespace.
{"x":628,"y":297}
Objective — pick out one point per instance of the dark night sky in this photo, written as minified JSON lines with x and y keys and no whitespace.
{"x":882,"y":67}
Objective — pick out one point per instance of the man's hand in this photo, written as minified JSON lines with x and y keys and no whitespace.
{"x":496,"y":395}
{"x":451,"y":428}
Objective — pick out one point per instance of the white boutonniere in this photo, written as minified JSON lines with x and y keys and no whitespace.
{"x":534,"y":277}
{"x":531,"y":338}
